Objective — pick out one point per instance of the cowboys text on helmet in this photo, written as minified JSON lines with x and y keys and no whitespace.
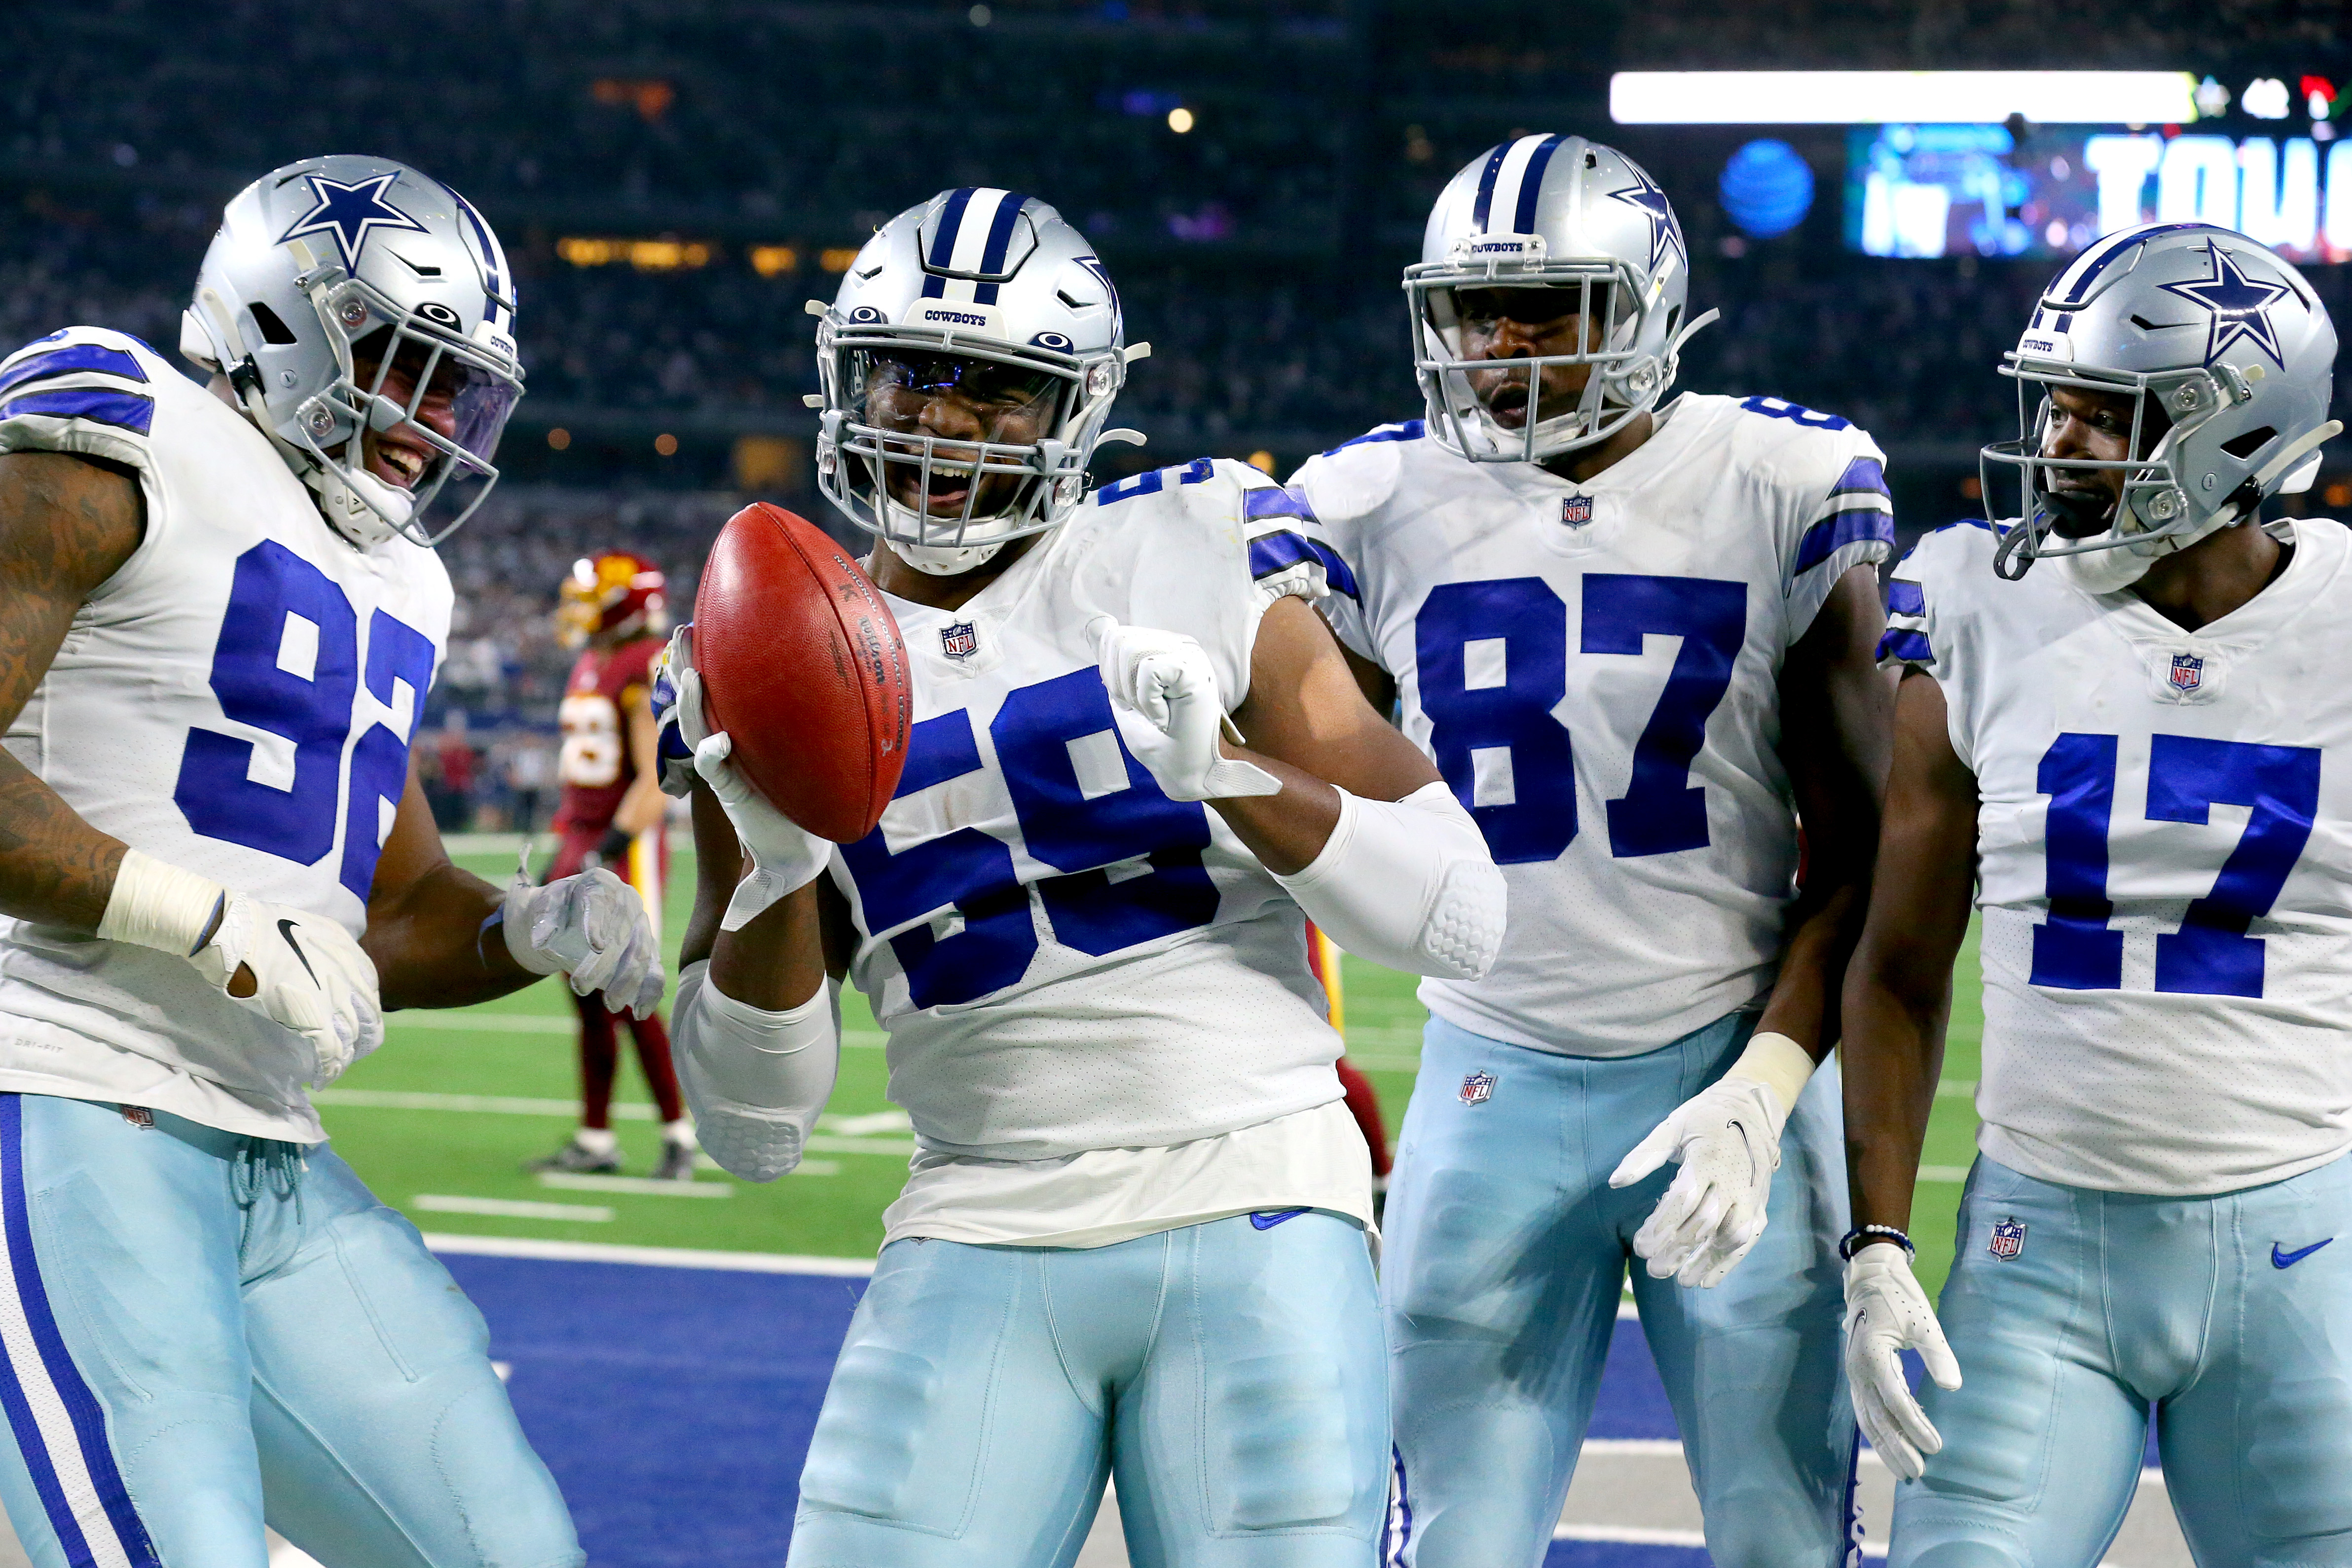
{"x":363,"y":315}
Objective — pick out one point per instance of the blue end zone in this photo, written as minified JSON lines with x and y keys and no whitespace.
{"x":675,"y":1405}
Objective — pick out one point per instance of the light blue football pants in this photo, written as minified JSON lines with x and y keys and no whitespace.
{"x":2216,"y":1312}
{"x":1505,"y":1255}
{"x":200,"y":1333}
{"x":1229,"y":1376}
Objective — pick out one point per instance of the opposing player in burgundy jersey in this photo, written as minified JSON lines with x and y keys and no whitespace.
{"x":611,"y":814}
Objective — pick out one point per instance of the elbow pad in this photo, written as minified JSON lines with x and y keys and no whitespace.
{"x":1409,"y":884}
{"x":755,"y":1078}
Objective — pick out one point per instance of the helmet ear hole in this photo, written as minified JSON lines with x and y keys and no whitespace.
{"x":2243,"y":446}
{"x":272,"y":326}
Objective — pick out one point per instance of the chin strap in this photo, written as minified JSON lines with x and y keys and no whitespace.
{"x":2293,"y":452}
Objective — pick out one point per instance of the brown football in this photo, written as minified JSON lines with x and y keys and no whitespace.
{"x":802,"y":663}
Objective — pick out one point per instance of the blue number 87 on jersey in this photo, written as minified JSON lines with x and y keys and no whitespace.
{"x":287,"y":663}
{"x":1127,"y":861}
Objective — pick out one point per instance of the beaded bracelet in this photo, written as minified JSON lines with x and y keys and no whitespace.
{"x":1862,"y":1236}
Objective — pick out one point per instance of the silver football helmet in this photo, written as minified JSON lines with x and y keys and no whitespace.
{"x":331,"y":255}
{"x":973,"y":284}
{"x":2228,"y":358}
{"x":1552,"y":211}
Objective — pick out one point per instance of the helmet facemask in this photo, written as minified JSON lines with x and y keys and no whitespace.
{"x":947,"y":500}
{"x":401,"y":368}
{"x":2108,"y":540}
{"x":1605,"y":296}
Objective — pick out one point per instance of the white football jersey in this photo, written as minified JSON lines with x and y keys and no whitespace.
{"x":2165,"y":864}
{"x":237,"y":700}
{"x":1594,"y":667}
{"x":1065,"y":959}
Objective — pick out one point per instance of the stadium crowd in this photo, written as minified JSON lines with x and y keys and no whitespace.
{"x":1257,"y":247}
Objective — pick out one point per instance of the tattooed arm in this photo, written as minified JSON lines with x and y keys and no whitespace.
{"x":67,"y":524}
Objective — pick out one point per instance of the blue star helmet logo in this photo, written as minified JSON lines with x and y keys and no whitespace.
{"x":1666,"y":233}
{"x":2240,"y":306}
{"x":349,"y":213}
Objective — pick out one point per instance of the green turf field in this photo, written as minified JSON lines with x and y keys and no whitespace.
{"x":441,"y":1120}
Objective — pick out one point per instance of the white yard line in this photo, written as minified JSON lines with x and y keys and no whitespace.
{"x":642,"y":1187}
{"x":655,"y":1257}
{"x":511,"y":1207}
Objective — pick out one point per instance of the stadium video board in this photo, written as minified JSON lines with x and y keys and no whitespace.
{"x":1980,"y":190}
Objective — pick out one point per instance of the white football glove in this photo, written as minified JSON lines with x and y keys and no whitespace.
{"x":308,"y":973}
{"x":785,"y":856}
{"x":1886,"y":1311}
{"x":1163,"y":691}
{"x":592,"y":927}
{"x":311,"y":976}
{"x":678,"y":723}
{"x":1728,"y":1137}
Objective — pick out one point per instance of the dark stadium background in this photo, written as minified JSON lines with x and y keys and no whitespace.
{"x":670,"y":175}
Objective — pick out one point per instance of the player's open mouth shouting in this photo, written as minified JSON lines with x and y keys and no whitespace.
{"x":402,"y":456}
{"x":1527,"y":323}
{"x":965,"y":406}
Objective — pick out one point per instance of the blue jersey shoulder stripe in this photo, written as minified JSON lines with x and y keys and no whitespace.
{"x":1863,"y":476}
{"x":1902,"y":643}
{"x":130,"y":411}
{"x":1834,"y":533}
{"x":1270,"y":553}
{"x":1410,"y":430}
{"x":1288,"y":501}
{"x":71,"y":360}
{"x":1906,"y":598}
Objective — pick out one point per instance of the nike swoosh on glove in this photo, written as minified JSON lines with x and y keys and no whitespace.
{"x":1886,"y":1311}
{"x":592,"y":927}
{"x":1163,"y":691}
{"x":1728,"y":1137}
{"x":309,"y":976}
{"x":785,"y":856}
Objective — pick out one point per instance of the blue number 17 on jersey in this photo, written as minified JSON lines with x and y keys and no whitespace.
{"x":2210,"y":955}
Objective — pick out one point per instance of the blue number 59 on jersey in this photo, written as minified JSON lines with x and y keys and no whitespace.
{"x":1123,"y":865}
{"x":288,"y":663}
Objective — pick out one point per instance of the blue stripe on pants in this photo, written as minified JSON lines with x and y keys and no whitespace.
{"x":80,"y":1487}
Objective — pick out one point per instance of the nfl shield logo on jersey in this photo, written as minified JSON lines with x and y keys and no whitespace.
{"x":1478,"y":1088}
{"x":2188,"y":672}
{"x":960,"y":641}
{"x":1576,"y":511}
{"x":2008,"y":1238}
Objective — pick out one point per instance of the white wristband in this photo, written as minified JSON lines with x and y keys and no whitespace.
{"x":156,"y":904}
{"x":1778,"y":1062}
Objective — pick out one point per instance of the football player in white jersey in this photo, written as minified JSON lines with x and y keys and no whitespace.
{"x":2138,"y":755}
{"x":1133,"y":1242}
{"x":219,"y":616}
{"x":1637,"y":637}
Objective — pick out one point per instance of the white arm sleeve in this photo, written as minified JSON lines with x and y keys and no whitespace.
{"x":1407,"y":883}
{"x":755,"y":1078}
